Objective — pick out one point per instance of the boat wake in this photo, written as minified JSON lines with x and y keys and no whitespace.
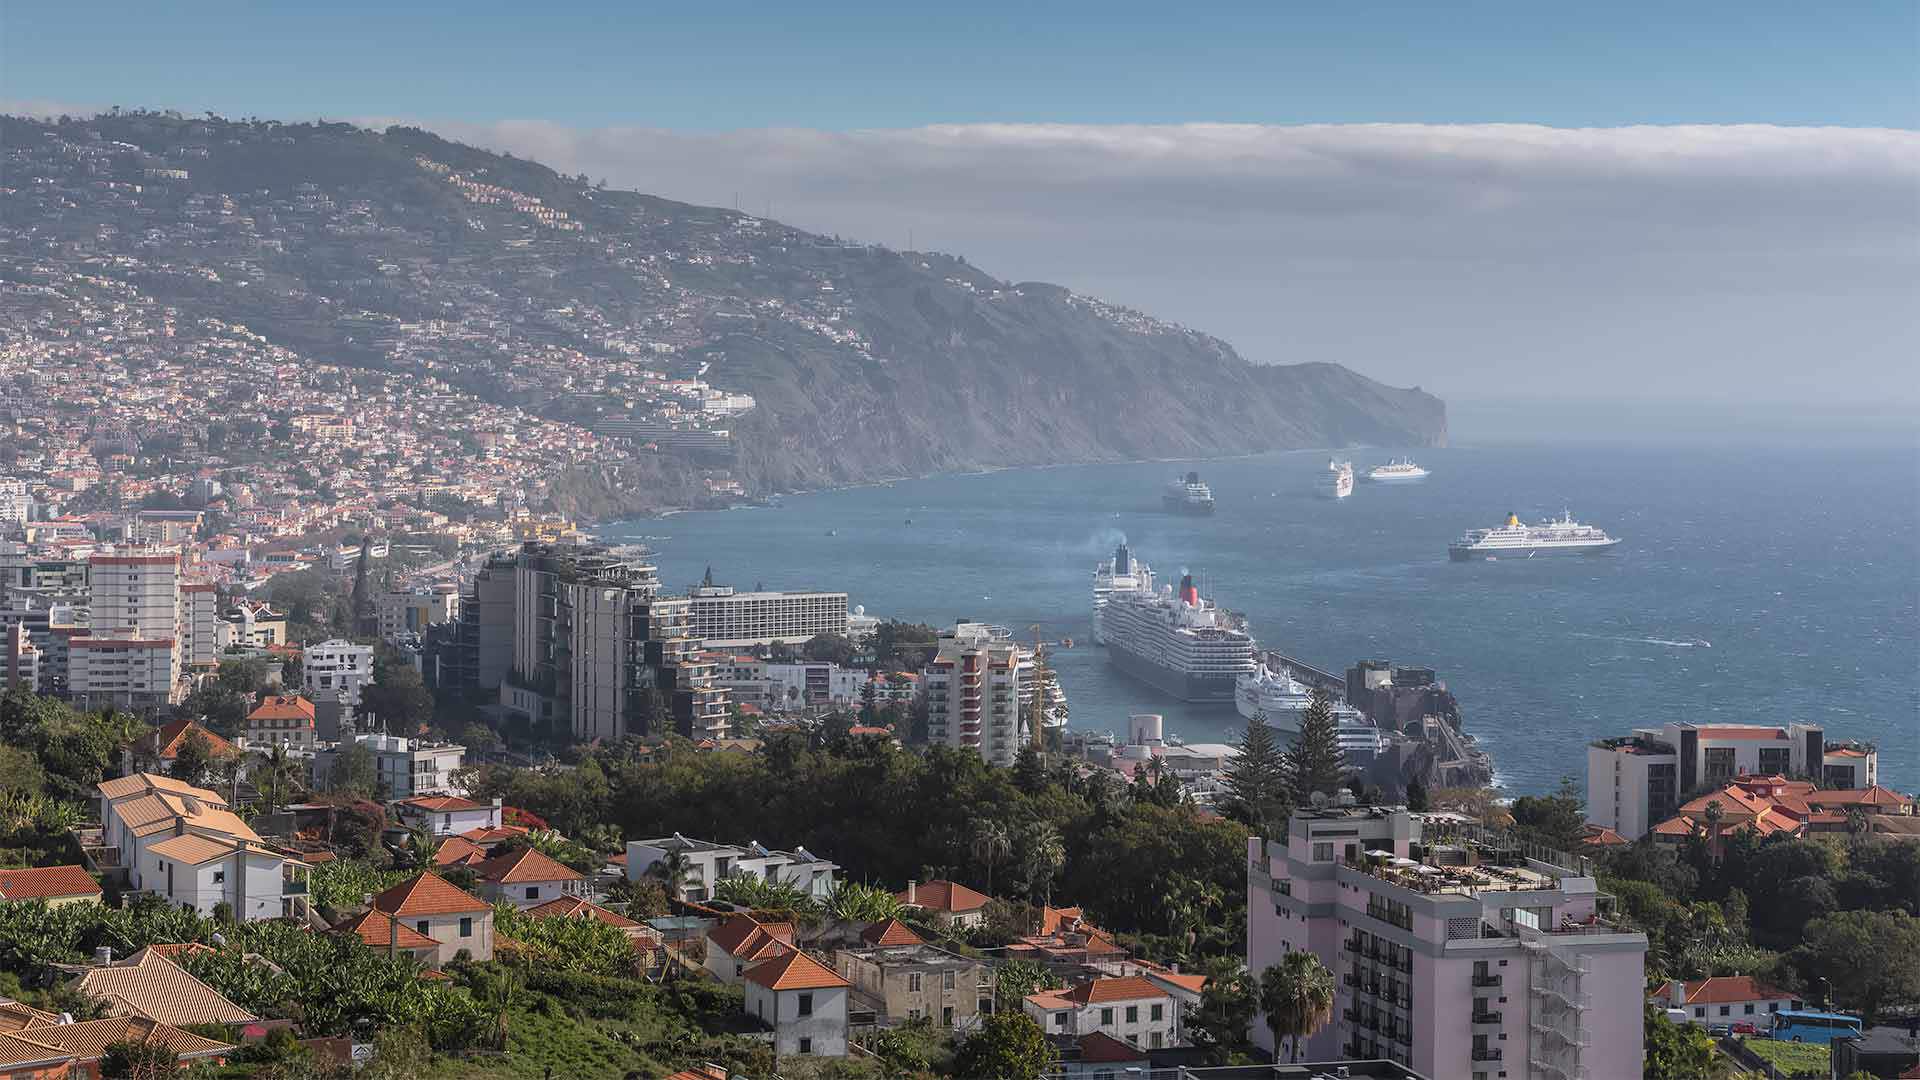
{"x":1693,"y":643}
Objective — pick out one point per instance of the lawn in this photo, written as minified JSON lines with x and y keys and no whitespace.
{"x":1792,"y":1058}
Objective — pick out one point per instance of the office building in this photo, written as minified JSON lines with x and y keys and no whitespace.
{"x":1458,"y":951}
{"x":726,"y":619}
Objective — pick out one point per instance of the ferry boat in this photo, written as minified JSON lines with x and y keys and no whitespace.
{"x":1515,"y":540}
{"x":1275,"y":693}
{"x":1397,"y":471}
{"x":1180,"y":644}
{"x":1338,"y":483}
{"x":1188,"y":495}
{"x":1121,"y":574}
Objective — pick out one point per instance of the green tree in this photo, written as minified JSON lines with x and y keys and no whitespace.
{"x":1871,"y":958}
{"x":139,"y":1060}
{"x":1043,"y":854}
{"x":1675,"y":1051}
{"x":1256,"y":778}
{"x":1558,"y":820}
{"x":21,"y":772}
{"x":1297,"y":997}
{"x":1008,"y":1046}
{"x":194,"y":761}
{"x":1416,"y":795}
{"x":1227,"y":1006}
{"x":1315,"y":762}
{"x":220,"y":707}
{"x":398,"y":698}
{"x":243,"y":676}
{"x":355,"y":772}
{"x":830,"y":649}
{"x":1015,"y":979}
{"x":990,"y":844}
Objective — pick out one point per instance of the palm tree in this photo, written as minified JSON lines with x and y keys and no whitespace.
{"x":1297,"y":997}
{"x":420,"y":846}
{"x":1715,"y":813}
{"x":672,"y":870}
{"x":1046,"y":854}
{"x":991,"y":844}
{"x":277,"y":778}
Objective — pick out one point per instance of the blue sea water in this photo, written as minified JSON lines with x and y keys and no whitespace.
{"x":1756,"y":583}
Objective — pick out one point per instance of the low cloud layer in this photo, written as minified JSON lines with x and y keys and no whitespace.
{"x":1694,"y":262}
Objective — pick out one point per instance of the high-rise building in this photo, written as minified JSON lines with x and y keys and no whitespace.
{"x":1457,"y":951}
{"x":973,"y":692}
{"x":596,"y":644}
{"x":726,"y":619}
{"x":198,"y":620}
{"x":129,"y":655}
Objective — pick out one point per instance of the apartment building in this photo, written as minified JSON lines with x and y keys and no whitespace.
{"x":1130,"y":1009}
{"x":111,"y":668}
{"x":1636,"y":781}
{"x":911,"y":980}
{"x":186,"y":845}
{"x":725,"y":618}
{"x":708,"y":863}
{"x":403,"y":767}
{"x":197,"y":617}
{"x":973,"y":692}
{"x":21,"y":660}
{"x":338,"y":668}
{"x":403,"y":612}
{"x":251,"y":625}
{"x":1458,"y":951}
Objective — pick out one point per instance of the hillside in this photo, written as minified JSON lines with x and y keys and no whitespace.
{"x":403,"y":253}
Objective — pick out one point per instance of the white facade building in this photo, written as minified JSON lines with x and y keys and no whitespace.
{"x":973,"y":692}
{"x":185,"y":845}
{"x":708,"y":863}
{"x":337,"y":667}
{"x":724,"y":618}
{"x":804,"y":1001}
{"x":1131,"y":1009}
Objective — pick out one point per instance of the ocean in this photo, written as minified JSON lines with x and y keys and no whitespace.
{"x":1755,"y":583}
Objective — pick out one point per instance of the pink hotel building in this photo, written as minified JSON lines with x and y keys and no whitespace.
{"x":1455,"y":951}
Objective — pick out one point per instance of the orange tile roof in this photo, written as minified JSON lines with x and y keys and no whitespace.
{"x":1102,"y":1047}
{"x":14,"y":1016}
{"x":1873,"y":796}
{"x":165,"y":742}
{"x":443,"y":804}
{"x":494,"y":835}
{"x":17,"y":1052}
{"x":47,"y":882}
{"x":1191,"y":983}
{"x":88,"y":1040}
{"x":942,"y":895}
{"x":525,"y":865}
{"x":155,"y":987}
{"x":459,"y":851}
{"x":381,"y":930}
{"x":283,"y":707}
{"x":1601,"y":836}
{"x":796,"y":971}
{"x":736,"y":931}
{"x":1731,"y":988}
{"x":890,"y":933}
{"x":1097,"y":991}
{"x":428,"y":894}
{"x":574,"y":907}
{"x":192,"y":849}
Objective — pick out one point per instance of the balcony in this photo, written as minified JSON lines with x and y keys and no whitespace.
{"x":1489,"y":1017}
{"x":1353,"y":1016}
{"x":1488,"y":979}
{"x":1354,"y":947}
{"x":1486,"y":1053}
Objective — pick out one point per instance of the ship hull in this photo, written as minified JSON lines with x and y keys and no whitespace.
{"x":1395,"y":479}
{"x":1179,"y":505}
{"x":1459,"y":553}
{"x":1187,"y":686}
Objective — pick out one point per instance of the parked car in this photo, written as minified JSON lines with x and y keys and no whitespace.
{"x":1745,"y":1027}
{"x":1719,"y":1031}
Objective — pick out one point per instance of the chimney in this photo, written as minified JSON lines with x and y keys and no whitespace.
{"x":1677,"y":993}
{"x":103,"y":955}
{"x":913,"y":893}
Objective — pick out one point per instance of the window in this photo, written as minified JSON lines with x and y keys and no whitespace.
{"x":806,"y":1046}
{"x":1773,"y":1006}
{"x":1157,"y":1040}
{"x":1133,"y":1014}
{"x":533,"y":892}
{"x":1059,"y":1020}
{"x":466,"y":927}
{"x":1106,"y":1017}
{"x":913,"y":983}
{"x":1158,"y":1013}
{"x":1725,"y":1009}
{"x":1700,"y":1011}
{"x":219,"y":877}
{"x":946,"y":1016}
{"x":1749,"y":1009}
{"x":946,"y":980}
{"x":1323,"y":853}
{"x":806,"y":1005}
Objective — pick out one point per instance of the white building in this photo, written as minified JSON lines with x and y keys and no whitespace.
{"x":804,"y":1001}
{"x":1637,"y":781}
{"x":797,"y":686}
{"x":973,"y":692}
{"x":403,"y":768}
{"x":337,"y":667}
{"x":16,"y":505}
{"x":110,"y":667}
{"x":447,"y":815}
{"x":1481,"y":957}
{"x":708,"y":863}
{"x":411,"y":611}
{"x":1131,"y":1009}
{"x":131,"y":649}
{"x":185,"y":845}
{"x":724,"y":618}
{"x":197,"y":619}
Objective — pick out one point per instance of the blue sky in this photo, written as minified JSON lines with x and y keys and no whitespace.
{"x":859,"y":65}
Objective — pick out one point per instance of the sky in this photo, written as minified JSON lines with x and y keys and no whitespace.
{"x":1706,"y":202}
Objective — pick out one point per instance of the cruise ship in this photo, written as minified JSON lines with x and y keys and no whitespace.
{"x":1121,"y":574}
{"x":1188,"y":495}
{"x":1397,"y":471}
{"x":1180,"y":644}
{"x":1284,"y":700}
{"x":1515,"y":540}
{"x":1338,"y":483}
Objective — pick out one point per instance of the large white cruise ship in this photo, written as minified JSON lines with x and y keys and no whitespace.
{"x":1397,"y":471}
{"x":1515,"y":540}
{"x":1338,"y":483}
{"x":1121,"y":574}
{"x":1283,"y":699}
{"x":1178,"y":643}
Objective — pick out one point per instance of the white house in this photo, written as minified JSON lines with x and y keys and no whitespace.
{"x":337,"y":666}
{"x":527,"y":879}
{"x":185,"y":845}
{"x":743,"y":942}
{"x":447,"y":815}
{"x":804,"y":1001}
{"x":1130,"y":1009}
{"x":455,"y":919}
{"x":1729,"y":1000}
{"x":708,"y":863}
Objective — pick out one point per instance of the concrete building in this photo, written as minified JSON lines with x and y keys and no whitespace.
{"x":478,"y":656}
{"x":112,"y":668}
{"x":339,"y":667}
{"x":804,"y":1001}
{"x":973,"y":692}
{"x":1728,"y":1000}
{"x":404,"y":612}
{"x":403,"y":768}
{"x":447,"y":815}
{"x":251,"y":625}
{"x":1130,"y":1009}
{"x":810,"y":685}
{"x":726,"y":619}
{"x":527,"y":878}
{"x":198,"y":623}
{"x":1636,"y":781}
{"x":905,"y":979}
{"x":1480,"y":957}
{"x":184,"y":844}
{"x":21,"y":659}
{"x":708,"y":863}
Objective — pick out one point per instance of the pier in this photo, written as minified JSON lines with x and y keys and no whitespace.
{"x":1303,"y":672}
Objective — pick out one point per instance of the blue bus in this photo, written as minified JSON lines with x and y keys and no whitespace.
{"x":1814,"y":1027}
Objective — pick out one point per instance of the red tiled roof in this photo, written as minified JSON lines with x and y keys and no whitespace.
{"x":889,"y":933}
{"x":283,"y":707}
{"x":573,"y":907}
{"x":1873,"y":796}
{"x":944,"y":895}
{"x":380,"y":930}
{"x":1130,"y":988}
{"x":496,"y":834}
{"x":1102,"y":1047}
{"x":525,"y":865}
{"x":459,"y":851}
{"x":47,"y":882}
{"x":796,"y":971}
{"x":165,"y":742}
{"x":428,"y":894}
{"x":1727,"y":989}
{"x":443,"y":804}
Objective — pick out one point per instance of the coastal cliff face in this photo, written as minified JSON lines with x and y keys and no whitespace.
{"x":401,"y":252}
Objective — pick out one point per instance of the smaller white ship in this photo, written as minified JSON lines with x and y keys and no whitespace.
{"x":1397,"y":471}
{"x":1516,"y":539}
{"x":1338,"y":483}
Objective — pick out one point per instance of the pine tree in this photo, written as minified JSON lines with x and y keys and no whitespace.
{"x":1315,"y":761}
{"x":1416,"y":795}
{"x":1256,"y":778}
